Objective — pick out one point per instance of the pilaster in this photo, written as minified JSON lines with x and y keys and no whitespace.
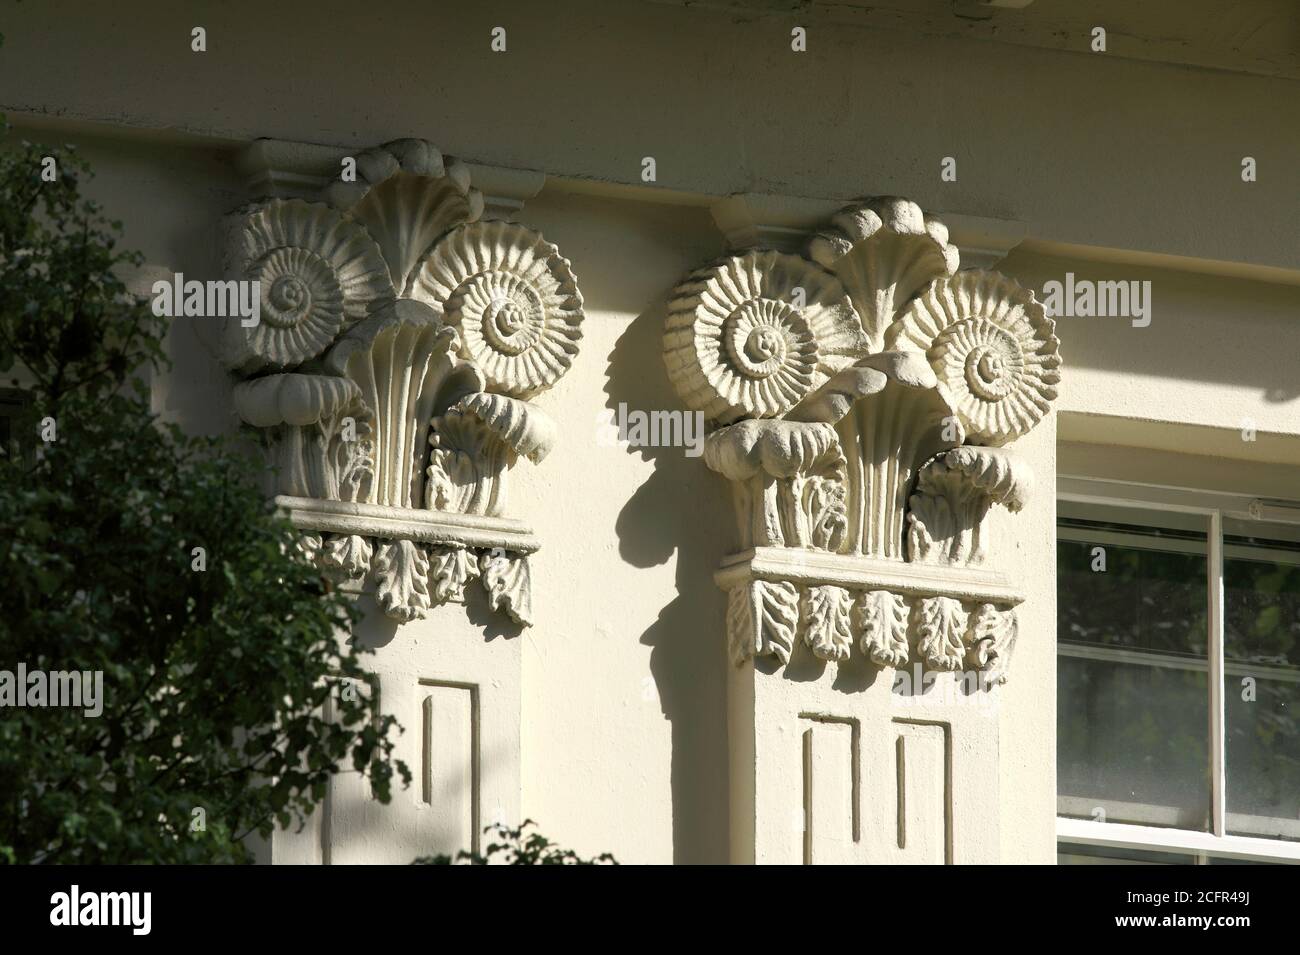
{"x":865,"y":400}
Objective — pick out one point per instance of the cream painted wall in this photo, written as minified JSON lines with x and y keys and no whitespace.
{"x":624,"y":699}
{"x":1096,"y":150}
{"x":623,"y":717}
{"x":1218,"y":351}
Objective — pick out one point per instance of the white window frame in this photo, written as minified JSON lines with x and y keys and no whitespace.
{"x":1215,"y":506}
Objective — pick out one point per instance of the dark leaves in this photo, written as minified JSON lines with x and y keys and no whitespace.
{"x":213,"y":681}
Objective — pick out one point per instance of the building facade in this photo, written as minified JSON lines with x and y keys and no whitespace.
{"x":897,"y":403}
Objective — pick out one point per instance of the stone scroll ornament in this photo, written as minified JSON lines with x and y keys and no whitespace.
{"x":863,"y":399}
{"x":391,"y":376}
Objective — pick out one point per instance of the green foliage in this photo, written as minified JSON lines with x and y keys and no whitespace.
{"x":517,"y":847}
{"x":215,"y":681}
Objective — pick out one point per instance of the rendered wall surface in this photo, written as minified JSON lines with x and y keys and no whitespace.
{"x":609,"y":718}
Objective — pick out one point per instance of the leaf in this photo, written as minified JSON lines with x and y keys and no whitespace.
{"x":827,"y":627}
{"x":508,"y":584}
{"x":761,"y":619}
{"x":882,"y":627}
{"x":941,"y":624}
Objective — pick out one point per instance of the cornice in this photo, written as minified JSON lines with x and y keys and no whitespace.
{"x":283,"y":168}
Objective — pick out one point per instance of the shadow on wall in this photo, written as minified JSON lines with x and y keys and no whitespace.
{"x":854,"y":675}
{"x":352,"y":827}
{"x":684,"y":508}
{"x":376,"y":630}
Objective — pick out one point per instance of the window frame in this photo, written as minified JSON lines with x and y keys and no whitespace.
{"x":1215,"y":506}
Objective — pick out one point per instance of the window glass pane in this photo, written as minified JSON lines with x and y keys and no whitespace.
{"x":1261,"y":703}
{"x":1132,"y":691}
{"x":1074,"y":853}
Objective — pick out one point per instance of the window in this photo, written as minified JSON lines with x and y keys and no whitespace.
{"x":1178,"y":676}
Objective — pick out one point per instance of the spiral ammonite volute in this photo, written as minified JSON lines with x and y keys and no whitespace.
{"x":318,"y":273}
{"x":513,"y":297}
{"x":767,"y":340}
{"x":298,"y":288}
{"x":755,"y":333}
{"x":993,"y":349}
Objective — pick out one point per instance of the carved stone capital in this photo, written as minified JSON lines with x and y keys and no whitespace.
{"x":390,"y":376}
{"x":862,"y":396}
{"x":893,"y":611}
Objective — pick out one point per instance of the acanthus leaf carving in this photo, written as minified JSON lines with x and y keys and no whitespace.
{"x":302,"y":422}
{"x":827,"y":622}
{"x":475,"y":443}
{"x":345,"y":557}
{"x":883,"y":627}
{"x":762,"y":617}
{"x":508,"y":583}
{"x":466,"y":465}
{"x":992,"y":639}
{"x":940,"y":624}
{"x":402,"y":579}
{"x":309,"y":546}
{"x":522,"y":427}
{"x":450,"y":569}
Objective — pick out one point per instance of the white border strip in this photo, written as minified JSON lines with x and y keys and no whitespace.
{"x":1125,"y":836}
{"x":1218,"y":759}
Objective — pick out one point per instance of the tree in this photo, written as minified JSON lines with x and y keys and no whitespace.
{"x":132,"y":550}
{"x":517,"y":846}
